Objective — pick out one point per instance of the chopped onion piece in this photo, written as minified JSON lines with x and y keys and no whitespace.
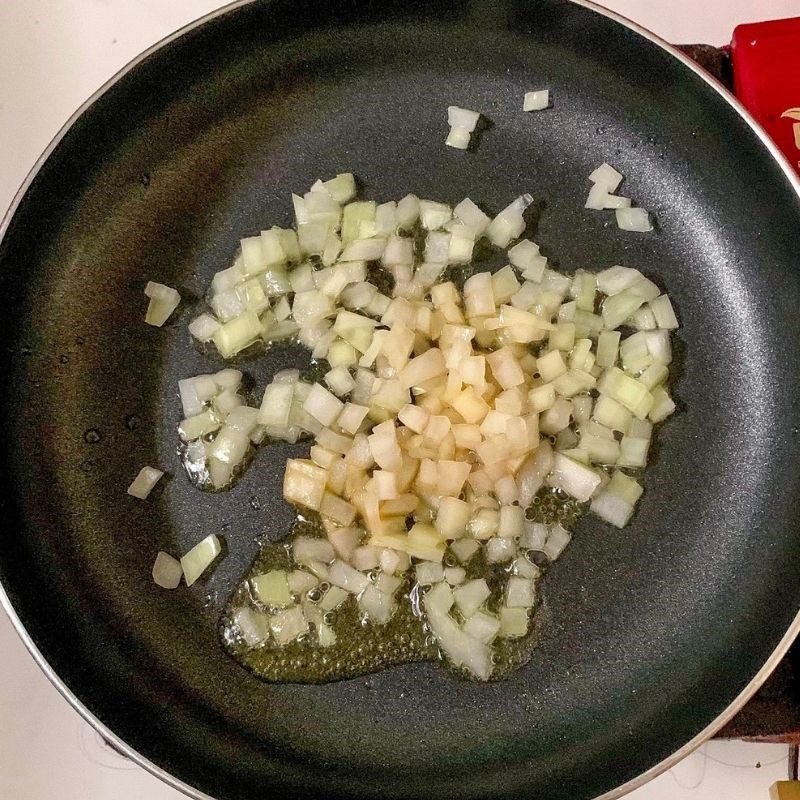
{"x":536,"y":100}
{"x":462,"y":118}
{"x":287,"y":625}
{"x":439,"y":599}
{"x":353,"y":216}
{"x":524,"y":255}
{"x":229,"y":446}
{"x":322,"y":405}
{"x":455,"y":575}
{"x":234,"y":336}
{"x":304,"y":483}
{"x":663,"y":405}
{"x":376,"y":604}
{"x":272,"y":588}
{"x":433,"y":215}
{"x":203,"y":327}
{"x":300,"y":581}
{"x":342,"y":188}
{"x":253,"y":626}
{"x":199,"y":558}
{"x":616,"y":201}
{"x":428,"y":572}
{"x":663,"y":312}
{"x":470,"y":596}
{"x":367,"y":557}
{"x":464,"y":549}
{"x":163,"y":301}
{"x":472,"y":217}
{"x":227,"y":379}
{"x":519,"y":593}
{"x":500,"y":551}
{"x":167,"y":571}
{"x":345,"y":541}
{"x":482,"y":626}
{"x":308,"y":550}
{"x":458,"y":138}
{"x":459,"y":647}
{"x":634,"y":219}
{"x":575,"y":479}
{"x":513,"y":622}
{"x":276,"y":405}
{"x":333,"y":598}
{"x":557,"y":539}
{"x":407,"y":211}
{"x":347,"y":578}
{"x":364,"y":250}
{"x":452,"y":518}
{"x":509,"y":224}
{"x":144,"y":482}
{"x":597,"y":197}
{"x":512,"y":522}
{"x":199,"y":425}
{"x":607,"y":177}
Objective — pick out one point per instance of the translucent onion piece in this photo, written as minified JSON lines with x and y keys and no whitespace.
{"x":167,"y":571}
{"x":536,"y":100}
{"x":144,"y":482}
{"x":163,"y":301}
{"x":199,"y":558}
{"x":634,"y":219}
{"x":462,"y":118}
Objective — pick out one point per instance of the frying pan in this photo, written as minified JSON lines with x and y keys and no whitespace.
{"x":648,"y":639}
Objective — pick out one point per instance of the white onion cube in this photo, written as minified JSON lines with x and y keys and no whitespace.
{"x":536,"y":100}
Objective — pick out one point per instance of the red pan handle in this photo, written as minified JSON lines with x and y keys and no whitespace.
{"x":766,"y":78}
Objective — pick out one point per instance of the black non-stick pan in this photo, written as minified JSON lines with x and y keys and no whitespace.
{"x":649,"y":637}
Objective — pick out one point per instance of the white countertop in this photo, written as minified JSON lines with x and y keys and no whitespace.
{"x":53,"y":55}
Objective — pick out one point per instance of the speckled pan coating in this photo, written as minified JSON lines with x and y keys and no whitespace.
{"x":647,"y":634}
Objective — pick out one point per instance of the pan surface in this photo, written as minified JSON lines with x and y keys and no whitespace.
{"x":646,"y":635}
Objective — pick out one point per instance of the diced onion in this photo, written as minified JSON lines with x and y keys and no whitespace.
{"x":307,"y":550}
{"x":346,"y":577}
{"x":163,"y":301}
{"x":557,"y":539}
{"x":469,"y":214}
{"x":513,"y":622}
{"x":461,"y":648}
{"x":459,"y":138}
{"x":376,"y":605}
{"x":203,"y":327}
{"x":144,"y":482}
{"x":470,"y":596}
{"x":272,"y":588}
{"x":200,"y":558}
{"x":167,"y":571}
{"x":634,"y":219}
{"x":575,"y":479}
{"x":537,"y":100}
{"x":252,"y":625}
{"x":462,"y":118}
{"x":432,"y":426}
{"x":287,"y":625}
{"x":519,"y":593}
{"x":606,"y":177}
{"x":407,"y":211}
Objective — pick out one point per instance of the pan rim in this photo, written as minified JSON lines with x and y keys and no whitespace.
{"x":114,"y":739}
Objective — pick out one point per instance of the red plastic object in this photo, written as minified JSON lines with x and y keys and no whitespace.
{"x":766,"y":78}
